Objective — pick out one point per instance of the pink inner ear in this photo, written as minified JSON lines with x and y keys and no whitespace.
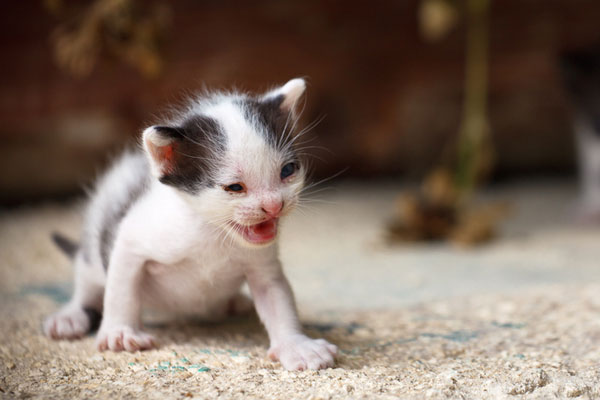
{"x":165,"y":157}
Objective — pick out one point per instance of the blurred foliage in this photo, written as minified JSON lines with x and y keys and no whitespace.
{"x":471,"y":158}
{"x":441,"y":210}
{"x":475,"y":153}
{"x":435,"y":212}
{"x":437,"y":18}
{"x":129,"y":30}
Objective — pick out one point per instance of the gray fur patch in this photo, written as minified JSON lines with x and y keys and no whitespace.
{"x":68,"y":246}
{"x":112,"y":220}
{"x":276,"y":122}
{"x":198,"y":140}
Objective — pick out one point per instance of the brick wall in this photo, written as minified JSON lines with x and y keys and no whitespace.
{"x":391,"y":101}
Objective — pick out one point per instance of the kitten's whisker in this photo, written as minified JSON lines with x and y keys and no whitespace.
{"x":306,"y":129}
{"x":312,"y":185}
{"x":286,"y":135}
{"x":311,"y":190}
{"x":306,"y":209}
{"x":280,"y":139}
{"x":309,"y":155}
{"x":312,"y":200}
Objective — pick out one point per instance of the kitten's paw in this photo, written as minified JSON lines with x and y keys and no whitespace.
{"x":71,"y":322}
{"x":119,"y":338}
{"x":301,"y":352}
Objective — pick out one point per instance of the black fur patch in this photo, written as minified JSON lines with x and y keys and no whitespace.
{"x":197,"y":140}
{"x":277,"y":123}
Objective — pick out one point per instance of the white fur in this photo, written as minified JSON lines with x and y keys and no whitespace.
{"x":174,"y":250}
{"x":292,"y":91}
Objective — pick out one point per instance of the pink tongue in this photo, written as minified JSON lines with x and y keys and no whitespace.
{"x":263,"y":232}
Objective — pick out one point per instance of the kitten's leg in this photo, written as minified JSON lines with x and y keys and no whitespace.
{"x":120,"y":328}
{"x":275,"y":305}
{"x":83,"y":312}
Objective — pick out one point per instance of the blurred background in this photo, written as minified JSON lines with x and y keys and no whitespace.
{"x":432,"y":120}
{"x":80,"y":79}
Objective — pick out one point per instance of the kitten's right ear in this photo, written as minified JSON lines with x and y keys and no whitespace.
{"x":287,"y":95}
{"x":160,"y":143}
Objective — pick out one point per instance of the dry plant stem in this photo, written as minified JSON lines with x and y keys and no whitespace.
{"x":474,"y":155}
{"x":127,"y":29}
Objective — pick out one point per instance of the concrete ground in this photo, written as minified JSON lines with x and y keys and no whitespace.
{"x":335,"y":249}
{"x":517,"y":318}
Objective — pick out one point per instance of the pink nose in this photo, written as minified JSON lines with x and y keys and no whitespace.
{"x":272,"y":208}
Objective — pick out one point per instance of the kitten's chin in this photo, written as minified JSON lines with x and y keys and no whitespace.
{"x":257,"y":235}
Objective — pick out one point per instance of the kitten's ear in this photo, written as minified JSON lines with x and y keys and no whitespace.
{"x":160,"y":143}
{"x":288,"y":94}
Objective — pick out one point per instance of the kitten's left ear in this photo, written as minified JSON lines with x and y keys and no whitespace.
{"x":288,"y":94}
{"x":160,"y":144}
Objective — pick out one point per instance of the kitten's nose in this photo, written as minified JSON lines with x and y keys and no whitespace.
{"x":272,"y":208}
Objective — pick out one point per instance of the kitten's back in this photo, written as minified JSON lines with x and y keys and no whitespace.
{"x":114,"y":194}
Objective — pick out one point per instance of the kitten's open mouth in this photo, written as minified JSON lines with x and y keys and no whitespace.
{"x":261,"y":233}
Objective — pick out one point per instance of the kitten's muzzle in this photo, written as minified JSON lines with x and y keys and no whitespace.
{"x":258,"y":234}
{"x":272,"y":208}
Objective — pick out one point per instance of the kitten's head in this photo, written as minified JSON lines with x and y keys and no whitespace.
{"x":232,"y":157}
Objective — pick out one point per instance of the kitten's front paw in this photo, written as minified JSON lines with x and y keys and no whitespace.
{"x":69,"y":323}
{"x":119,"y":338}
{"x":301,"y":352}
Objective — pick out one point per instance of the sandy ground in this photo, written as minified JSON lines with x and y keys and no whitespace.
{"x":519,"y":318}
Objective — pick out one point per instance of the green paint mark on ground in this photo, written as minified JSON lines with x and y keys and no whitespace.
{"x":455,"y":336}
{"x":131,"y":363}
{"x":185,"y":360}
{"x":354,"y":351}
{"x":510,"y":325}
{"x":199,"y":367}
{"x":60,"y":293}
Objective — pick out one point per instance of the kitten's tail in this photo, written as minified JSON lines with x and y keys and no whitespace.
{"x":68,"y":246}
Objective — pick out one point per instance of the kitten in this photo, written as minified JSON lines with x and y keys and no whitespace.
{"x":181,"y":225}
{"x":581,"y":72}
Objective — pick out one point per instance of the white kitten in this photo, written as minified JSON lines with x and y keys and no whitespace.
{"x":183,"y":224}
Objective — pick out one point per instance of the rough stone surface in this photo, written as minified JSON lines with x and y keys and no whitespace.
{"x":519,"y":338}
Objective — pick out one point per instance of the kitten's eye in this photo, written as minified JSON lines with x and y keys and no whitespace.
{"x":287,"y":170}
{"x":235,"y":187}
